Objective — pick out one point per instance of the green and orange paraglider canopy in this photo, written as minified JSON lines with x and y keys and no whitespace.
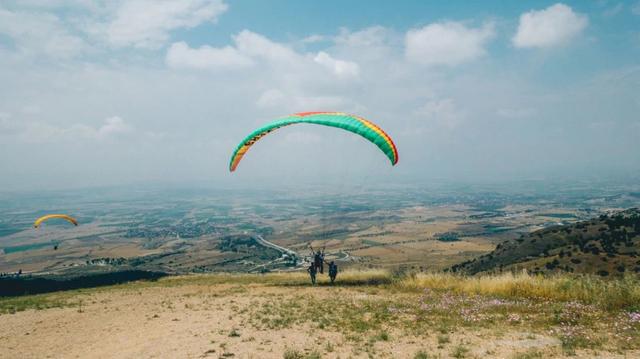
{"x":351,"y":123}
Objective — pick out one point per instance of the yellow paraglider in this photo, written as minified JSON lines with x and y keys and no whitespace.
{"x":38,"y":221}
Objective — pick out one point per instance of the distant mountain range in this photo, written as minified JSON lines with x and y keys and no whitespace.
{"x":608,"y":246}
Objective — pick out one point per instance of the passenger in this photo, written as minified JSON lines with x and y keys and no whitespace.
{"x":318,"y":261}
{"x":333,"y":271}
{"x":322,"y":262}
{"x":312,"y":273}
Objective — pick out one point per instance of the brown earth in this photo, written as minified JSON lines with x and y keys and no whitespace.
{"x":215,"y":321}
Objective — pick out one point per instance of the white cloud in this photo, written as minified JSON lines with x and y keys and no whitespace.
{"x":271,"y":98}
{"x":54,"y":4}
{"x":312,"y":39}
{"x":113,"y":126}
{"x":41,"y":132}
{"x":147,"y":23}
{"x":553,"y":26}
{"x":339,"y":67}
{"x":320,"y":103}
{"x":198,"y":117}
{"x":250,"y":48}
{"x":7,"y":126}
{"x":31,"y":109}
{"x":369,"y":37}
{"x":256,"y":45}
{"x":441,"y":112}
{"x":180,"y":55}
{"x":37,"y":33}
{"x":370,"y":47}
{"x":447,"y":43}
{"x":515,"y":113}
{"x":293,"y":102}
{"x":63,"y":29}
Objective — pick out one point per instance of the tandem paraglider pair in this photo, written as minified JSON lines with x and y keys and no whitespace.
{"x":347,"y":122}
{"x":317,"y":265}
{"x":313,"y":272}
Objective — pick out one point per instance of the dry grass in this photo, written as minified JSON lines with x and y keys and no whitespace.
{"x":606,"y":293}
{"x":374,"y":309}
{"x":346,"y":278}
{"x":610,"y":294}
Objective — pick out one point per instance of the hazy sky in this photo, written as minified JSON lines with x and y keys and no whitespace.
{"x":112,"y":92}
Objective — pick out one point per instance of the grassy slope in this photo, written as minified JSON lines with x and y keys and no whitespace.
{"x":610,"y":294}
{"x":608,"y":246}
{"x":582,"y":312}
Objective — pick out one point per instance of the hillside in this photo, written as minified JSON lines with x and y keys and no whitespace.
{"x":608,"y":246}
{"x":370,"y":314}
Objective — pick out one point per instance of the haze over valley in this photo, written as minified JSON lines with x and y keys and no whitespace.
{"x":202,"y":229}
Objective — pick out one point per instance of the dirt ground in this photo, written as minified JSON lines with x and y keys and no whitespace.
{"x":214,"y":321}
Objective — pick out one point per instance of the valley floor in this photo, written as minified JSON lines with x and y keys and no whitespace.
{"x":271,"y":317}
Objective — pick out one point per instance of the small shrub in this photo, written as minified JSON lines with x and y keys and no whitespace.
{"x":443,"y":339}
{"x":292,"y":354}
{"x":459,"y":352}
{"x":383,"y":336}
{"x":531,"y":354}
{"x":329,"y":347}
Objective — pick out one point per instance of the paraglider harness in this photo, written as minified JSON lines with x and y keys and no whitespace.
{"x":318,"y":259}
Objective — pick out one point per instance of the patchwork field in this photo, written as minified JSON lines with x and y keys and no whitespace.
{"x":179,"y":231}
{"x":411,"y":236}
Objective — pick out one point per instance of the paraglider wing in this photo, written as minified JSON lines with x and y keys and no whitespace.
{"x":38,"y":221}
{"x":352,"y":123}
